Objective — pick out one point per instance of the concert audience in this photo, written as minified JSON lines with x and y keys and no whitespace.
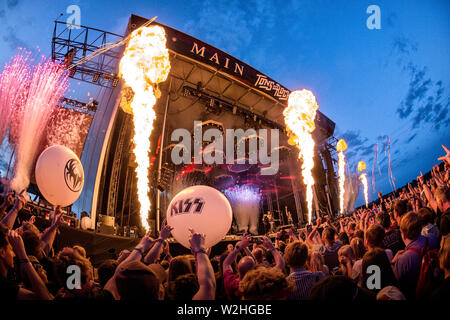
{"x":395,"y":249}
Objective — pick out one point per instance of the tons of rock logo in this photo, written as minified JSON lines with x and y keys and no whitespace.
{"x":73,"y":175}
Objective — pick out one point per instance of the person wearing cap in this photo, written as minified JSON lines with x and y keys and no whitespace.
{"x":137,"y":270}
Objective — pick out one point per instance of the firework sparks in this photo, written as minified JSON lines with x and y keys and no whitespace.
{"x":33,"y":94}
{"x":363,"y":178}
{"x":299,"y":118}
{"x":341,"y":147}
{"x":145,"y":63}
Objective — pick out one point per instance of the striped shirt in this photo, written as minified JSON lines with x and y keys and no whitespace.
{"x":304,"y":280}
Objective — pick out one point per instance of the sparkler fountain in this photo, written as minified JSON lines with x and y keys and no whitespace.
{"x":363,"y":178}
{"x":28,"y":97}
{"x":341,"y":147}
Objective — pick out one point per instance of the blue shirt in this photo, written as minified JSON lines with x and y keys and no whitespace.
{"x":304,"y":280}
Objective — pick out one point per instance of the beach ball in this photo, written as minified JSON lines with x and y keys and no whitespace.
{"x":204,"y":209}
{"x":59,"y":175}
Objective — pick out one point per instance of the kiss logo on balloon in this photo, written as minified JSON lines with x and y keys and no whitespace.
{"x":186,"y":206}
{"x":73,"y":175}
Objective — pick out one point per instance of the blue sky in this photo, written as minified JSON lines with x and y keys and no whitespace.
{"x":373,"y":83}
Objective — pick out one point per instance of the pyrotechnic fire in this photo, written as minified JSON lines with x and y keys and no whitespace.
{"x":363,"y":178}
{"x":340,"y":147}
{"x":144,"y":64}
{"x":299,"y":118}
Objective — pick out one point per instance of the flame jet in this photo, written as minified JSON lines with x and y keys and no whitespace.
{"x":145,"y":63}
{"x":299,"y":117}
{"x":363,"y":178}
{"x":341,"y":146}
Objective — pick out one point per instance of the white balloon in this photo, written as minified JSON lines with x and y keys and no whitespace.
{"x":59,"y":175}
{"x":202,"y":208}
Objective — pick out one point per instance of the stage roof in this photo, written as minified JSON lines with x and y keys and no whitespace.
{"x":201,"y":73}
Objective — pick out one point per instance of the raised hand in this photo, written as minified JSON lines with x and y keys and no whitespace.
{"x":196,"y":241}
{"x":245,"y":242}
{"x":165,"y":232}
{"x":266,"y":243}
{"x":17,"y":244}
{"x":445,"y":158}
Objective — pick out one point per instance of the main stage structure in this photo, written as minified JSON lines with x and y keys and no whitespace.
{"x":205,"y":84}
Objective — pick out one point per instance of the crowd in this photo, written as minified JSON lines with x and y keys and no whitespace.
{"x":398,"y":249}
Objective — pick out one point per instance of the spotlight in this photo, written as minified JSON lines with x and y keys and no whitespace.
{"x":115,"y":82}
{"x":234,"y":109}
{"x":95,"y":78}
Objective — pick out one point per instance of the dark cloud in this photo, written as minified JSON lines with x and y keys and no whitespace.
{"x":12,"y":3}
{"x":354,"y":138}
{"x":12,"y":40}
{"x":411,"y":138}
{"x":404,"y":46}
{"x":232,"y":25}
{"x":418,"y":88}
{"x":392,"y":19}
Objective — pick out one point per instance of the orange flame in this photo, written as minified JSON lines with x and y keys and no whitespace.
{"x":340,"y":147}
{"x":144,"y":64}
{"x":299,"y":117}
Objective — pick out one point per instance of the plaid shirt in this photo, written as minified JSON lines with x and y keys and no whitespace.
{"x":304,"y":280}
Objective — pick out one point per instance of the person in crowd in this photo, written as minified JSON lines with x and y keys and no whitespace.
{"x":377,"y":257}
{"x":443,"y":292}
{"x":262,"y":283}
{"x":295,"y":256}
{"x":346,"y":259}
{"x":407,"y":262}
{"x":328,"y":247}
{"x":339,"y":288}
{"x":106,"y":270}
{"x":392,"y":239}
{"x":316,"y":263}
{"x":11,"y":246}
{"x":428,"y":225}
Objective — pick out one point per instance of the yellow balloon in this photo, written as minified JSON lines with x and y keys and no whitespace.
{"x":341,"y":145}
{"x":361,"y":166}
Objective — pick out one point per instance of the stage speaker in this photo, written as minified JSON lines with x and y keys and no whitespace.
{"x":104,"y":229}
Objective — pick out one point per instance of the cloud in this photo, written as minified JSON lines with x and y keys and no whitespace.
{"x":12,"y":40}
{"x":232,"y":25}
{"x":411,"y":138}
{"x":403,"y":45}
{"x":354,"y":138}
{"x":418,"y":88}
{"x":392,"y":19}
{"x":12,"y":3}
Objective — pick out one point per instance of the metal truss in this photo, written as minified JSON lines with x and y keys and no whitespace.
{"x":86,"y":108}
{"x":70,"y":45}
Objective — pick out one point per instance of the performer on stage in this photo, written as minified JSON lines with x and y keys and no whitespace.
{"x":289,"y":216}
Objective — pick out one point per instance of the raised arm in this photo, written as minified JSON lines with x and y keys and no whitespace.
{"x":48,"y":235}
{"x":309,"y":239}
{"x":205,"y":271}
{"x":155,"y":251}
{"x":38,"y":289}
{"x":279,"y":261}
{"x":232,"y":255}
{"x":9,"y":219}
{"x":8,"y":200}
